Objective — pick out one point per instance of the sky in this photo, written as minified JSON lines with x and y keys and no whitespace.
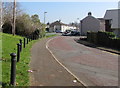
{"x":67,"y":11}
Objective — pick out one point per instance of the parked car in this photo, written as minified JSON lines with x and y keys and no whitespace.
{"x":71,"y":33}
{"x":67,"y":33}
{"x":58,"y":31}
{"x":75,"y":33}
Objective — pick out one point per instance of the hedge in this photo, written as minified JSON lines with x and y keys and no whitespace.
{"x":104,"y":38}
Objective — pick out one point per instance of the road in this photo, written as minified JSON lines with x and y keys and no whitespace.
{"x":46,"y":70}
{"x":92,"y":66}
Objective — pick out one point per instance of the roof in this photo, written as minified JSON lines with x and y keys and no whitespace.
{"x":113,"y":10}
{"x":88,"y":17}
{"x":101,"y":19}
{"x":114,"y":16}
{"x":57,"y":23}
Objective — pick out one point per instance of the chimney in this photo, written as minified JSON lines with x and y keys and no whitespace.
{"x":89,"y":13}
{"x":59,"y":20}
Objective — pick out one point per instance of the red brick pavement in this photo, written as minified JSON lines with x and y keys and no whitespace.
{"x":74,"y":56}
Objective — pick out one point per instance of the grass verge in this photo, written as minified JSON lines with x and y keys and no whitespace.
{"x":9,"y":46}
{"x":47,"y":36}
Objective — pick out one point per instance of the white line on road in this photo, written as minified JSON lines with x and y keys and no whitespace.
{"x":109,"y":53}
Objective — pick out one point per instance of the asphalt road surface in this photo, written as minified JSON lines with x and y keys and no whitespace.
{"x":92,"y":66}
{"x":46,"y":70}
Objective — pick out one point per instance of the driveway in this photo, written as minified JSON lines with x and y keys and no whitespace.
{"x":92,"y":66}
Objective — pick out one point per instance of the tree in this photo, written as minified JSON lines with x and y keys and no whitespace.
{"x":8,"y":14}
{"x":35,"y":18}
{"x":24,"y":25}
{"x":36,"y":21}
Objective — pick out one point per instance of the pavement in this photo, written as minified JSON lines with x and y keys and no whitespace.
{"x":92,"y":66}
{"x":46,"y":71}
{"x":86,"y":43}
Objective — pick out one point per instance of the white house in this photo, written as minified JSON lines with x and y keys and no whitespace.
{"x":112,"y":18}
{"x":58,"y":26}
{"x":91,"y":23}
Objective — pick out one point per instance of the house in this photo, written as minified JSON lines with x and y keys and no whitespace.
{"x":102,"y":24}
{"x":112,"y":18}
{"x":58,"y":26}
{"x":91,"y":23}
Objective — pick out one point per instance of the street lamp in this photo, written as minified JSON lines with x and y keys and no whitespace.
{"x":44,"y":16}
{"x":78,"y":23}
{"x":81,"y":27}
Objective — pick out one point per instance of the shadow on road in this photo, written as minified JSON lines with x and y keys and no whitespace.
{"x":85,"y":43}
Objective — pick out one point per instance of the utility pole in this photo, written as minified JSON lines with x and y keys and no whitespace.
{"x":1,"y":8}
{"x":14,"y":18}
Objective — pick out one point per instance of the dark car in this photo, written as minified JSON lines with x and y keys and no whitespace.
{"x":75,"y":33}
{"x":66,"y":33}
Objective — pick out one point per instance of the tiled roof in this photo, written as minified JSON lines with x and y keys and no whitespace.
{"x":57,"y":23}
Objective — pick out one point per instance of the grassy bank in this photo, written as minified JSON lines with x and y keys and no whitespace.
{"x":9,"y":46}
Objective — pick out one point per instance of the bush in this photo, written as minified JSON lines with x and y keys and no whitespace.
{"x":42,"y":31}
{"x":92,"y":37}
{"x":34,"y":35}
{"x":89,"y":36}
{"x":110,"y":34}
{"x":104,"y":38}
{"x":107,"y":39}
{"x":25,"y":25}
{"x":7,"y":27}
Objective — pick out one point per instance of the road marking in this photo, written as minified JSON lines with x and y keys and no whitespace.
{"x":47,"y":47}
{"x":110,"y":53}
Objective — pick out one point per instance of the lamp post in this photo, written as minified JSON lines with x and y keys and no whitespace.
{"x":78,"y":23}
{"x":44,"y":16}
{"x":81,"y":27}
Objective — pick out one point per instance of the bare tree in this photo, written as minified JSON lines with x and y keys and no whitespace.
{"x":11,"y":10}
